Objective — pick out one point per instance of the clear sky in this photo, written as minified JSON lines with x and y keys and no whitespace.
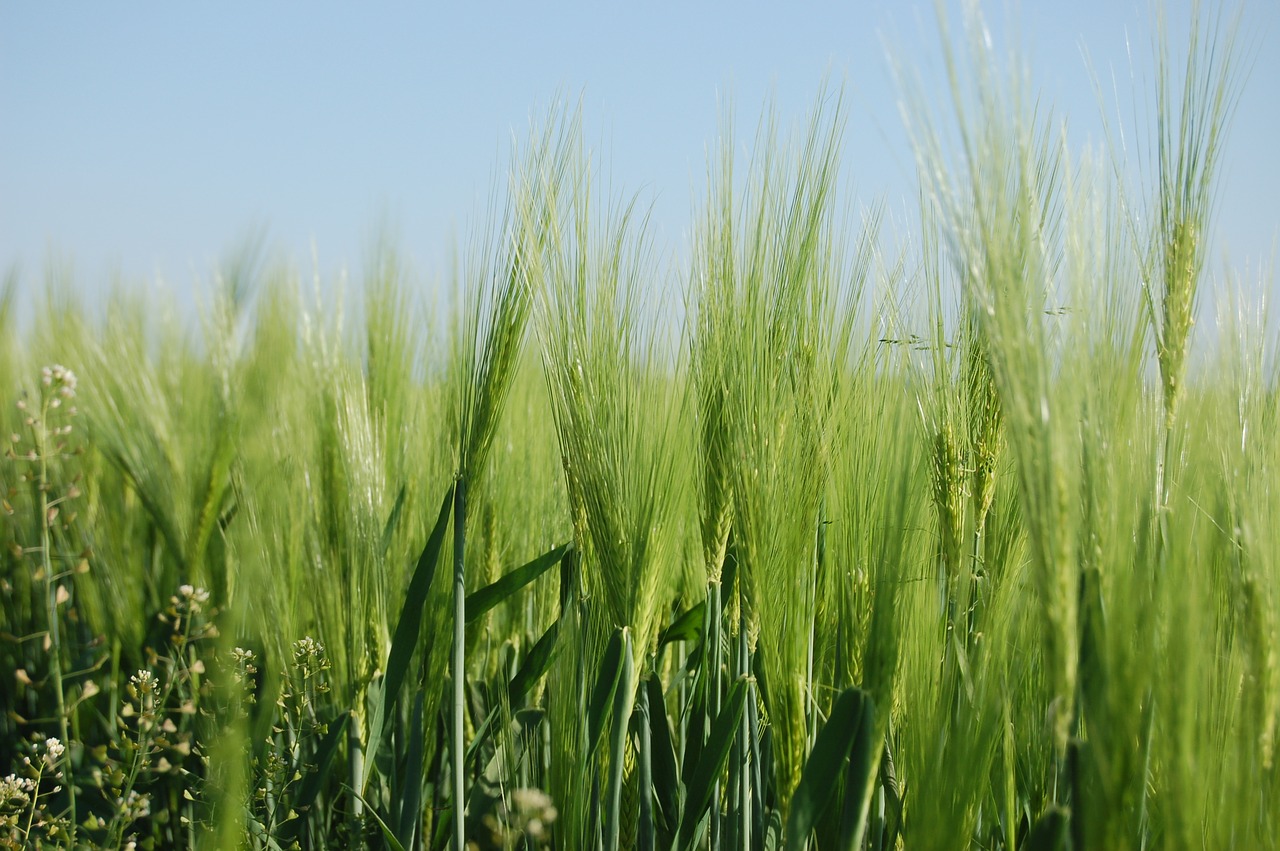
{"x":146,"y":139}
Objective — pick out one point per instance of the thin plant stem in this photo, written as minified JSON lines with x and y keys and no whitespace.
{"x":459,"y":663}
{"x":41,"y":435}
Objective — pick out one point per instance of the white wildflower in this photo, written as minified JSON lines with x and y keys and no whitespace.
{"x":17,"y":789}
{"x":135,"y":806}
{"x":307,"y":648}
{"x":145,"y":682}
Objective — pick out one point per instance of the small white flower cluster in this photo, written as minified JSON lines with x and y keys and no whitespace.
{"x":54,"y":749}
{"x":190,"y":599}
{"x":17,"y":789}
{"x":144,"y":694}
{"x":527,"y":813}
{"x":61,"y":377}
{"x":145,"y":682}
{"x":60,"y":381}
{"x":246,"y":661}
{"x":535,"y":810}
{"x":309,"y":659}
{"x":134,"y":806}
{"x":306,"y":649}
{"x":246,"y":665}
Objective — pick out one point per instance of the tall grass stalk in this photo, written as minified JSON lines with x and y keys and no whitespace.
{"x":1000,"y":205}
{"x":500,"y":299}
{"x":767,"y":292}
{"x":1191,"y":125}
{"x":605,"y":360}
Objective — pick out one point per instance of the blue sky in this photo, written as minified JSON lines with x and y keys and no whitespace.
{"x":147,"y":139}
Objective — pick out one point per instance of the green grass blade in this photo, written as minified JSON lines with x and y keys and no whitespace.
{"x":864,"y":759}
{"x":605,"y":688}
{"x":411,"y":783}
{"x":893,"y":800}
{"x":387,"y":833}
{"x":646,"y":834}
{"x":484,"y":599}
{"x":1050,"y":831}
{"x":848,"y":722}
{"x":531,"y":670}
{"x":408,"y":628}
{"x":393,"y":521}
{"x":314,"y":782}
{"x":534,"y":666}
{"x":623,"y":697}
{"x":711,"y":763}
{"x":570,"y":579}
{"x":697,"y":728}
{"x":217,"y":483}
{"x":687,"y":627}
{"x":666,"y":779}
{"x":444,"y":829}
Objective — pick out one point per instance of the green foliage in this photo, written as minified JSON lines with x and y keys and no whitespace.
{"x":954,"y":544}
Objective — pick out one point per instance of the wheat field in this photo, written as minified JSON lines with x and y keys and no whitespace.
{"x":826,"y":536}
